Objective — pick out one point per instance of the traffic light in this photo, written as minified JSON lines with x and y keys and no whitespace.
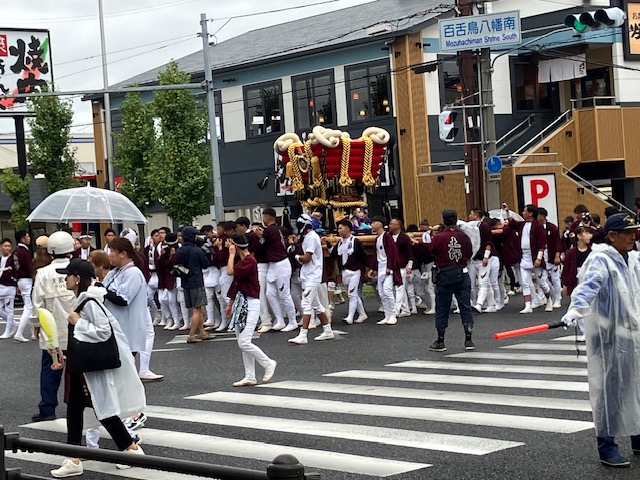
{"x":446,"y":126}
{"x":596,"y":20}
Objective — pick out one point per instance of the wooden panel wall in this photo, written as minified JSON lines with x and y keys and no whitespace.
{"x":610,"y":133}
{"x":411,"y":113}
{"x":564,"y":143}
{"x":631,"y":120}
{"x":447,"y":192}
{"x":586,"y":120}
{"x":508,"y":192}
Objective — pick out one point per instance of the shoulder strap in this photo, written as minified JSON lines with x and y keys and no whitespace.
{"x":84,"y":302}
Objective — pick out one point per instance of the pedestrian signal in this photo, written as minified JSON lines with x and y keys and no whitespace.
{"x":446,"y":126}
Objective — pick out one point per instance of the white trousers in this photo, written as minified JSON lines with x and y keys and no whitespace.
{"x":265,"y":316}
{"x":214,"y":318}
{"x":145,"y":356}
{"x":184,"y":311}
{"x":279,"y":291}
{"x":428,"y":286}
{"x":25,"y":285}
{"x":222,"y":292}
{"x":152,"y":288}
{"x":311,"y":300}
{"x":489,"y":289}
{"x":474,"y":271}
{"x":296,"y":290}
{"x":250,"y":352}
{"x":554,"y":277}
{"x":386,"y":292}
{"x":527,"y":281}
{"x":402,"y":301}
{"x":7,"y":297}
{"x":169,"y":304}
{"x":351,"y":280}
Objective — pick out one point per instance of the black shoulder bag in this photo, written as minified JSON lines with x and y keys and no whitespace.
{"x":85,"y":357}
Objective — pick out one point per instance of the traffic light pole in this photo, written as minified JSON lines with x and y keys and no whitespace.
{"x":492,"y":187}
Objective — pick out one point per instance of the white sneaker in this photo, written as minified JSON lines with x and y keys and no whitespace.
{"x":381,"y":310}
{"x":404,"y":314}
{"x":581,"y":339}
{"x":361,"y":318}
{"x":5,"y":335}
{"x":278,"y":326}
{"x":67,"y":469}
{"x":549,"y":307}
{"x":506,"y":300}
{"x":175,"y":326}
{"x":130,"y":451}
{"x":526,"y":310}
{"x":299,"y":340}
{"x":383,"y":321}
{"x":490,"y":310}
{"x":431,"y":312}
{"x":325,"y":336}
{"x":269,"y":371}
{"x":20,"y":338}
{"x":209,"y":323}
{"x":156,"y":322}
{"x":348,"y":320}
{"x":315,"y":323}
{"x":457,"y":310}
{"x":500,"y":307}
{"x":477,"y":308}
{"x":392,"y":320}
{"x":555,"y":305}
{"x":535,"y":305}
{"x":414,"y":310}
{"x":149,"y":376}
{"x":245,"y":382}
{"x":290,"y":328}
{"x":511,"y":293}
{"x":162,"y":324}
{"x":264,"y":329}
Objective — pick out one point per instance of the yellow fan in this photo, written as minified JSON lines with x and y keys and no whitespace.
{"x":49,"y":326}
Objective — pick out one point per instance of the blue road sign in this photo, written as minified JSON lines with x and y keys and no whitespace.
{"x":494,"y":164}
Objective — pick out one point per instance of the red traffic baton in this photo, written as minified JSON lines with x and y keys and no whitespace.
{"x":527,"y":330}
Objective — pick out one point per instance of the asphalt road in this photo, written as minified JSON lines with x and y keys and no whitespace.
{"x":352,"y":408}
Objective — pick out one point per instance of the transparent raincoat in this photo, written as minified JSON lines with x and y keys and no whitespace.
{"x":608,"y":298}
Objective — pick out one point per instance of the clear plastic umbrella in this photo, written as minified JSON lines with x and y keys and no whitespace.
{"x":503,"y":215}
{"x":86,"y":204}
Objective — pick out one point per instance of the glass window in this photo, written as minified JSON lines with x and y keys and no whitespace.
{"x":529,"y":93}
{"x":450,"y":83}
{"x":263,"y":109}
{"x":369,"y":90}
{"x":217,"y":98}
{"x":314,"y":99}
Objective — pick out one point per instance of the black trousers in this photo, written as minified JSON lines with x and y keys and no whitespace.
{"x":75,"y":421}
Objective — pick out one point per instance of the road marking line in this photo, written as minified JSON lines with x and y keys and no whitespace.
{"x":464,"y":380}
{"x":169,"y":350}
{"x":545,"y":346}
{"x":101,"y":467}
{"x":540,"y":357}
{"x":492,"y":367}
{"x":376,"y":467}
{"x":521,"y":422}
{"x":437,"y":395}
{"x":569,"y":338}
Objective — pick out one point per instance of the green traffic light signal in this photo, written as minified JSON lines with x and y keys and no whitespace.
{"x":573,"y":21}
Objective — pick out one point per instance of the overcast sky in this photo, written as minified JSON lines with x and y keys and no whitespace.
{"x":130,"y":28}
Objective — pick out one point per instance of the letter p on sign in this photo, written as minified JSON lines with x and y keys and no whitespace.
{"x":540,"y":190}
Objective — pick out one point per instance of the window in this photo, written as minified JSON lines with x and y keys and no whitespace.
{"x":263,"y":109}
{"x":529,"y":93}
{"x":450,"y":82}
{"x":313,"y":100}
{"x":369,"y":90}
{"x":217,"y":100}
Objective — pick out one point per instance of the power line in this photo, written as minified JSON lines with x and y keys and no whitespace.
{"x":274,"y":11}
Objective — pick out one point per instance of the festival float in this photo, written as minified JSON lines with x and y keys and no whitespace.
{"x":330,"y":169}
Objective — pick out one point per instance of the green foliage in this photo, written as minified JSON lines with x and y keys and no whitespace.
{"x":180,"y":168}
{"x":18,"y":190}
{"x":134,"y":147}
{"x":49,"y":151}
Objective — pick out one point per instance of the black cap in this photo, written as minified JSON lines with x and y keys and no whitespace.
{"x":619,"y":222}
{"x":569,"y":219}
{"x":171,"y":239}
{"x":269,"y":211}
{"x":79,"y":267}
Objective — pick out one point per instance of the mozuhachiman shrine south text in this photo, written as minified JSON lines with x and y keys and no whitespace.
{"x":480,"y":31}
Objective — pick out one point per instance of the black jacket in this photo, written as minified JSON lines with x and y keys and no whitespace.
{"x":192,"y":257}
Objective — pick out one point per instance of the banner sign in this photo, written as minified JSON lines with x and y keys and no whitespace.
{"x":25,"y":65}
{"x":480,"y":31}
{"x":540,"y":190}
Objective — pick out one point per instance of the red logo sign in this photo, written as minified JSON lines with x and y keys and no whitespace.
{"x":4,"y":49}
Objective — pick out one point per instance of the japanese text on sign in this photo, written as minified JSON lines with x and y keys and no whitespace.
{"x":480,"y":31}
{"x":24,"y":64}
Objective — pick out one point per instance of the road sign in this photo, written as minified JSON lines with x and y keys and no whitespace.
{"x":480,"y":31}
{"x":494,"y":164}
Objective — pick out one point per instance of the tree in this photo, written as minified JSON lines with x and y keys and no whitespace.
{"x":18,"y":190}
{"x":134,"y":149}
{"x":180,"y":168}
{"x":49,"y":151}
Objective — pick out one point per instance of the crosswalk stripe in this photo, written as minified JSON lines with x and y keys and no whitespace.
{"x":544,"y":346}
{"x":540,"y":357}
{"x":568,"y":338}
{"x":437,"y":395}
{"x":522,"y":422}
{"x":231,"y":447}
{"x":389,"y":436}
{"x":492,"y":367}
{"x":101,"y":467}
{"x":464,"y":380}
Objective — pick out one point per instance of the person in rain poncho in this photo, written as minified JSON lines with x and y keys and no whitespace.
{"x":607,"y":299}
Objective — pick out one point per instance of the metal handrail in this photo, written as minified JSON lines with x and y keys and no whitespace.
{"x":453,"y":166}
{"x":542,"y":135}
{"x":529,"y":121}
{"x":596,"y":191}
{"x":593,"y":101}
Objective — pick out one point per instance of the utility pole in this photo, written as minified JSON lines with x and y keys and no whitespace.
{"x":473,"y":165}
{"x":213,"y":131}
{"x":492,"y":189}
{"x":107,"y":101}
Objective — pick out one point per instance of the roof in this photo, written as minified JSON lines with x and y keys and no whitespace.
{"x":338,"y":28}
